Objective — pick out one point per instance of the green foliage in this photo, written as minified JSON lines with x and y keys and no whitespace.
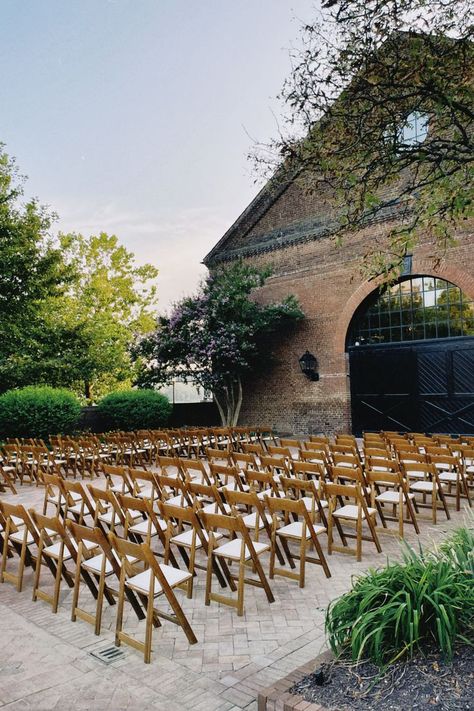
{"x":135,"y":409}
{"x":364,"y":70}
{"x":218,"y":336}
{"x":429,"y":598}
{"x":38,"y":412}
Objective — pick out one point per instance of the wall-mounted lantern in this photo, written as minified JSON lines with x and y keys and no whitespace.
{"x":309,"y":366}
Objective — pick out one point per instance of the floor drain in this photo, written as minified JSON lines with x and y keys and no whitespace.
{"x":109,"y":654}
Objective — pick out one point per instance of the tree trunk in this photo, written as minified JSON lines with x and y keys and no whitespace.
{"x":229,"y":402}
{"x":87,"y":390}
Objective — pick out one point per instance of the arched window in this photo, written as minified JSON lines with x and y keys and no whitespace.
{"x":414,"y":130}
{"x":416,"y":308}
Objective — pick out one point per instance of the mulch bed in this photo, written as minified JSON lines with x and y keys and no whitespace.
{"x":424,"y":682}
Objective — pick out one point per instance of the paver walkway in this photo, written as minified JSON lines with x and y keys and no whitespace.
{"x":45,"y":660}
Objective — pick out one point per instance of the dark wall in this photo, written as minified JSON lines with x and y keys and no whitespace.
{"x":197,"y":414}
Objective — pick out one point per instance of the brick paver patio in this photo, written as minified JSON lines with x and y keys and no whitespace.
{"x":45,"y":660}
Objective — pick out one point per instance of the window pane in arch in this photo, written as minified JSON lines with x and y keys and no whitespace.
{"x":415,"y":308}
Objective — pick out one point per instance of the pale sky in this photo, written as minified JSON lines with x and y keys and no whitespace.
{"x":135,"y":117}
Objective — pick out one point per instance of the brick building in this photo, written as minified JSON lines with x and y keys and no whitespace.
{"x":380,"y":363}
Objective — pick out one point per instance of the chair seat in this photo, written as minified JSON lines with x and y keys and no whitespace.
{"x":177,"y":501}
{"x":416,"y":475}
{"x":352,"y":512}
{"x":267,"y":492}
{"x":186,"y":538}
{"x":54,"y":550}
{"x":251,"y":519}
{"x":213,"y":508}
{"x":94,"y":565}
{"x":19,"y":536}
{"x":233,"y":486}
{"x":109,"y":517}
{"x":173,"y":576}
{"x":308,"y":502}
{"x":233,"y":549}
{"x":295,"y":530}
{"x":148,"y":492}
{"x":142,"y":527}
{"x":391,"y":497}
{"x":423,"y":486}
{"x":448,"y":476}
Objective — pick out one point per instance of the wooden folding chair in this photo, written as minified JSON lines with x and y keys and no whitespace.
{"x":245,"y":460}
{"x":20,"y":535}
{"x":303,"y":530}
{"x":102,"y":566}
{"x":396,"y":498}
{"x":228,"y":477}
{"x":106,"y":509}
{"x":205,"y":497}
{"x":263,"y":483}
{"x":187,"y":540}
{"x":450,"y":474}
{"x":7,"y":478}
{"x":240,"y":550}
{"x":168,"y":466}
{"x":352,"y":514}
{"x":52,"y":551}
{"x":423,"y":479}
{"x":155,"y":580}
{"x":118,"y":479}
{"x":195,"y":470}
{"x":308,"y":490}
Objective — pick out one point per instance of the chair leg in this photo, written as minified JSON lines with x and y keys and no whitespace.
{"x":302,"y":561}
{"x":240,"y":590}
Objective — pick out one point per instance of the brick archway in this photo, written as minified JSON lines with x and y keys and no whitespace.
{"x":452,"y":273}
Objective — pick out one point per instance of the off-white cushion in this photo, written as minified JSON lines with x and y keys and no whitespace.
{"x":351,"y":511}
{"x":173,"y":576}
{"x":233,"y":549}
{"x":295,"y":530}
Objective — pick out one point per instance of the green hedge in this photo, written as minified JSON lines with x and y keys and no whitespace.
{"x":38,"y":411}
{"x":135,"y":410}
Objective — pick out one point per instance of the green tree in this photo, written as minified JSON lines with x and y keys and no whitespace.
{"x":32,"y":272}
{"x":218,"y":336}
{"x":107,"y":306}
{"x":372,"y":79}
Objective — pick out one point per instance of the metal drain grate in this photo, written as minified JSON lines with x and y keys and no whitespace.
{"x":108,"y":655}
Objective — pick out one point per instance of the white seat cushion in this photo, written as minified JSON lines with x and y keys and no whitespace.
{"x":141,"y":528}
{"x":233,"y":549}
{"x":423,"y":486}
{"x":19,"y":536}
{"x":391,"y":497}
{"x":351,"y":511}
{"x":295,"y":530}
{"x":109,"y":517}
{"x":186,"y":538}
{"x":308,"y":502}
{"x":213,"y":508}
{"x":54,"y":551}
{"x":173,"y":576}
{"x":448,"y":476}
{"x":94,"y":565}
{"x":233,"y":486}
{"x":177,"y":501}
{"x":266,"y":492}
{"x":250,"y":520}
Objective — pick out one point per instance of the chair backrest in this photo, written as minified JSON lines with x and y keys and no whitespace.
{"x":309,"y":470}
{"x":104,"y":501}
{"x":319,"y":439}
{"x":414,"y":457}
{"x":191,"y":467}
{"x":198,"y":491}
{"x":245,"y":460}
{"x":219,"y":456}
{"x":222,"y":475}
{"x":138,"y":476}
{"x":169,"y":466}
{"x":18,"y":511}
{"x":253,"y":448}
{"x":261,"y":481}
{"x":382,"y":464}
{"x":120,"y":473}
{"x":46,"y":524}
{"x":416,"y":468}
{"x":346,"y":460}
{"x":341,"y":474}
{"x":275,"y":464}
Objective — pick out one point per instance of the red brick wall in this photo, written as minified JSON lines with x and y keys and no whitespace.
{"x":328,"y":282}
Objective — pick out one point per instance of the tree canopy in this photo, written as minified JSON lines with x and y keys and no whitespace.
{"x":70,"y":306}
{"x":218,"y":336}
{"x":380,"y":120}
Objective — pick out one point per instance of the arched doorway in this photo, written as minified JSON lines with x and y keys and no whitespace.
{"x":411,"y":356}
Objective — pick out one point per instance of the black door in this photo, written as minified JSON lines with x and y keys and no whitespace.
{"x":423,"y":387}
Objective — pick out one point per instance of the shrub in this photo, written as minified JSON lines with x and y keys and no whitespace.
{"x":38,"y":411}
{"x":135,"y":409}
{"x":429,"y":598}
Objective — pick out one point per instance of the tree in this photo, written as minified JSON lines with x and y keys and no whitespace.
{"x":32,"y":271}
{"x":367,"y":72}
{"x":218,"y":336}
{"x":107,"y":306}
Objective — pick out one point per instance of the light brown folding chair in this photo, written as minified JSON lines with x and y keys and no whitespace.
{"x":19,"y":534}
{"x":423,"y":479}
{"x":195,"y":470}
{"x":396,"y":503}
{"x":450,"y":474}
{"x":308,"y":490}
{"x":95,"y":560}
{"x":356,"y":514}
{"x":118,"y":479}
{"x":228,"y":477}
{"x":240,"y":550}
{"x":55,"y":548}
{"x":157,"y":579}
{"x":303,"y":531}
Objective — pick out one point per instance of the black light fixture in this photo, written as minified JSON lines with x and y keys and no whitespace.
{"x":309,"y":366}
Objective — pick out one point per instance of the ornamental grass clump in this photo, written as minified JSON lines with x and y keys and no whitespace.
{"x":426,"y":600}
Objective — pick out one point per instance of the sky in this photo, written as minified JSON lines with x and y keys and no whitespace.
{"x":136,"y":117}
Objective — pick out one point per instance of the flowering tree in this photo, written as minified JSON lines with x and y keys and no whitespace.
{"x":217,"y":336}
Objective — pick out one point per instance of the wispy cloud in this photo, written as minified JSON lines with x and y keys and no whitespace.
{"x":175,"y":242}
